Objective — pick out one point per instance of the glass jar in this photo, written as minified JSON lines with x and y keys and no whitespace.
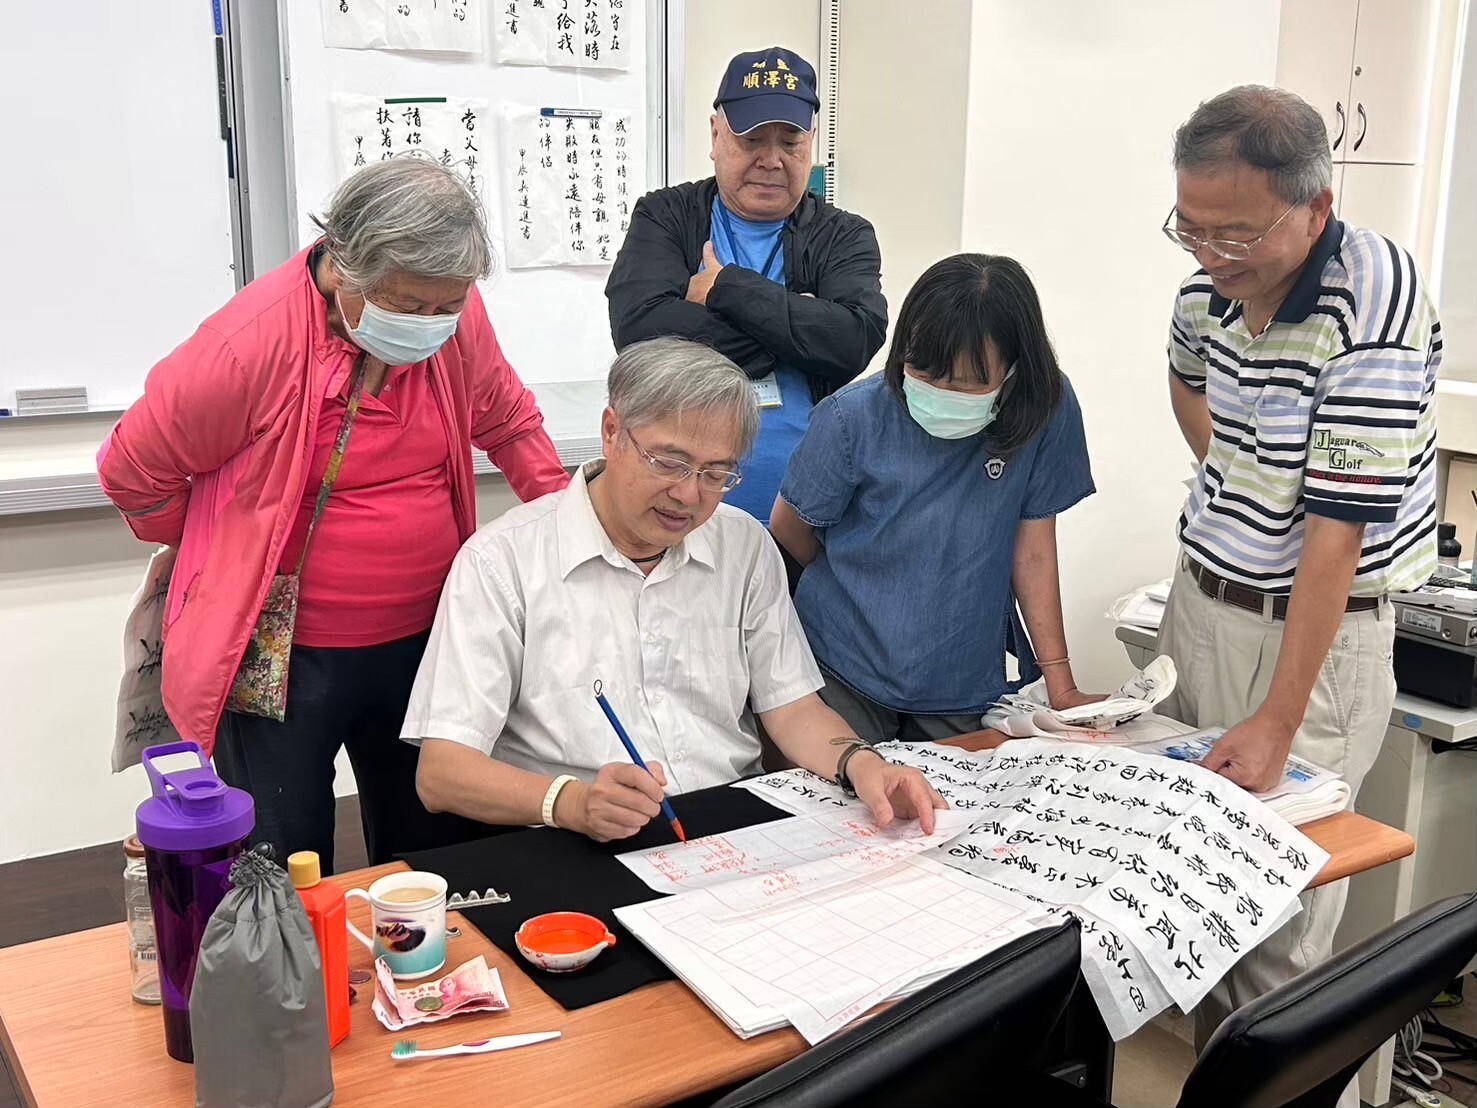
{"x":139,"y":915}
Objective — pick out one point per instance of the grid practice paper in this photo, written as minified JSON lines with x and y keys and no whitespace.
{"x":820,"y":958}
{"x":1174,"y":873}
{"x":790,"y":854}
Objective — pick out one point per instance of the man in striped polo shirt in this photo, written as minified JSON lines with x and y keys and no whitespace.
{"x":1303,"y":360}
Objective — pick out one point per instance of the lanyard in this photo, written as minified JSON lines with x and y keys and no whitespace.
{"x":733,"y":245}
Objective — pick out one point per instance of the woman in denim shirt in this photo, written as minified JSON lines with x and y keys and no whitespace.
{"x":923,"y":503}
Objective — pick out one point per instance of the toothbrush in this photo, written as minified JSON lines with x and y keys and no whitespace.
{"x":406,"y":1048}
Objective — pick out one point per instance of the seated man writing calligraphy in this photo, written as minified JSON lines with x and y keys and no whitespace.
{"x":639,"y":577}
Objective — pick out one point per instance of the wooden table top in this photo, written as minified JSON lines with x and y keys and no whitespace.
{"x":74,"y":1036}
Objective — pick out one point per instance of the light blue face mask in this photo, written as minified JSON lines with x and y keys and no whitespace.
{"x":397,"y":338}
{"x":946,"y":414}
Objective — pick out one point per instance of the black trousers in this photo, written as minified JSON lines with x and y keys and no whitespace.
{"x":352,"y":697}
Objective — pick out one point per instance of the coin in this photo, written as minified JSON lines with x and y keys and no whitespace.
{"x":360,"y":977}
{"x":428,"y":1003}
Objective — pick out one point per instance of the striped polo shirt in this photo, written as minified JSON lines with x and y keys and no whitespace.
{"x":1330,"y":410}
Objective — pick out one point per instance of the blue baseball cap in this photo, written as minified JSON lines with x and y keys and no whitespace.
{"x":768,"y":86}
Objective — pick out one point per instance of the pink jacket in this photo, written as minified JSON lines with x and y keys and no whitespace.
{"x":214,"y":460}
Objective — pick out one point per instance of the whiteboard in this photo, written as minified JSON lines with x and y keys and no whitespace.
{"x":551,"y":322}
{"x":115,"y":192}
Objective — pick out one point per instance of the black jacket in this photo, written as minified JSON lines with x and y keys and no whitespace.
{"x":828,"y":252}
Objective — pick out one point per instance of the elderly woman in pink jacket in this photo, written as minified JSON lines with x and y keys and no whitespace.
{"x":309,"y":452}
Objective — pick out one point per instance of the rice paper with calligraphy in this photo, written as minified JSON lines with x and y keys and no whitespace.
{"x":568,"y":186}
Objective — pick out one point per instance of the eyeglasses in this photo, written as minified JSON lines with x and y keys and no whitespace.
{"x":1233,"y":249}
{"x":675,"y":470}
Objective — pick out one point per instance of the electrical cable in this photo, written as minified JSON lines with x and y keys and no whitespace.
{"x":1411,"y":1061}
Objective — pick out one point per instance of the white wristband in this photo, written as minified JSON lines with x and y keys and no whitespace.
{"x":552,"y":796}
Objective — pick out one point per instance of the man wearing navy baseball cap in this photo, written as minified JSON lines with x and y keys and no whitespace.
{"x":750,"y":262}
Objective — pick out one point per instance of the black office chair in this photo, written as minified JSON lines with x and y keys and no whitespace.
{"x":1300,"y":1045}
{"x":940,"y":1045}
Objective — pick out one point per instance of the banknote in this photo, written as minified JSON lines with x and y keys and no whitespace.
{"x":472,"y":987}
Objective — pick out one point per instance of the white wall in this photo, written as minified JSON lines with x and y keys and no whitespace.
{"x":1043,"y":132}
{"x":1072,"y":106}
{"x":66,"y":579}
{"x":900,"y":144}
{"x":1458,"y":277}
{"x":716,"y":30}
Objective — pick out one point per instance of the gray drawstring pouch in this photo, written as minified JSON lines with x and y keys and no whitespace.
{"x":258,"y":1016}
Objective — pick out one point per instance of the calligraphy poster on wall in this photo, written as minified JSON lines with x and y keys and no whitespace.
{"x":583,"y":34}
{"x":568,"y":184}
{"x":451,"y":26}
{"x":449,"y":129}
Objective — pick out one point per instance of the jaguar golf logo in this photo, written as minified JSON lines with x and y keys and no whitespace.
{"x":1327,"y":440}
{"x":1339,"y":448}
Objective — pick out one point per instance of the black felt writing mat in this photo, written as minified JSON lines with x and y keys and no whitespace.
{"x":546,"y":870}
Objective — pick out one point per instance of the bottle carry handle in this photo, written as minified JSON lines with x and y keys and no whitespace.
{"x":195,"y":791}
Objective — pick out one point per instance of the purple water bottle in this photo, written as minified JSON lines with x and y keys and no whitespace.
{"x":192,"y":828}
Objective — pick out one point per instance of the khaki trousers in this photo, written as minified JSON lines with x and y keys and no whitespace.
{"x":1225,"y":657}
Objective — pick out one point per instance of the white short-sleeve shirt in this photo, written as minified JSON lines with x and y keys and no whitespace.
{"x":539,"y":605}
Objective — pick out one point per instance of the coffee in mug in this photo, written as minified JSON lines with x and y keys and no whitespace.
{"x":409,"y":914}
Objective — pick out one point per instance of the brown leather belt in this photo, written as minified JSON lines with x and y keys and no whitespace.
{"x":1254,"y":600}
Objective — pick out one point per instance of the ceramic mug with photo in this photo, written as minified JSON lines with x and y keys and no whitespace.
{"x":409,"y":917}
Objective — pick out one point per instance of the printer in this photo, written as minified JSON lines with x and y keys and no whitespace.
{"x":1436,"y":640}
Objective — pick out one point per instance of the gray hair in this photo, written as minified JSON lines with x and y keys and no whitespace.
{"x":1266,"y":128}
{"x":408,"y":213}
{"x":661,"y":378}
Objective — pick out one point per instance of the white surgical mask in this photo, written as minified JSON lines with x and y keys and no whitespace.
{"x":397,"y":338}
{"x":946,"y":414}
